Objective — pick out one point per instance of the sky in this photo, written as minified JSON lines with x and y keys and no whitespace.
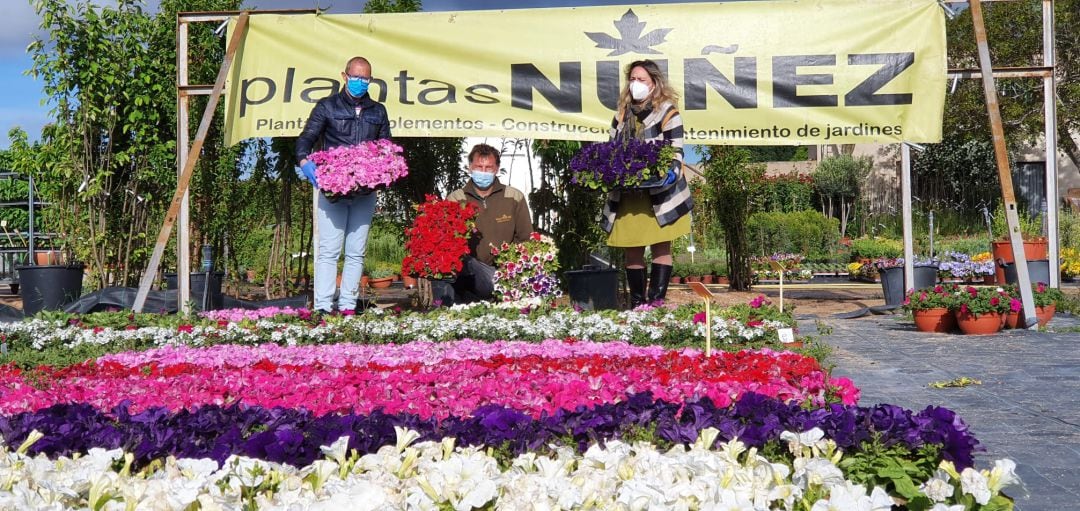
{"x":21,"y":96}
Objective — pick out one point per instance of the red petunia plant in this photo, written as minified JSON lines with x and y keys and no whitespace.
{"x":438,"y":238}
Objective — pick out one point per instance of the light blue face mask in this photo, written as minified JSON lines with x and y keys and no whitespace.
{"x":482,"y":179}
{"x":357,"y":87}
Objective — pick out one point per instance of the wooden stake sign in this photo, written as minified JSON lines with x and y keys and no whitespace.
{"x":703,"y":292}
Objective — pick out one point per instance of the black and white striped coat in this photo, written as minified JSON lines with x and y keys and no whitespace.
{"x":669,"y":203}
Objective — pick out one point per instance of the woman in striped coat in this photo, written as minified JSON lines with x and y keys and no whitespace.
{"x":635,"y":219}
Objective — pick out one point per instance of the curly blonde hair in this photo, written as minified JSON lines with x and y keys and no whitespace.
{"x":662,"y":89}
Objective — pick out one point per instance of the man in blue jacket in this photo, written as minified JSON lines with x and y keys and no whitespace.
{"x":346,"y":118}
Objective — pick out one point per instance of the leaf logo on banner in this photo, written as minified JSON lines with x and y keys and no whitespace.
{"x":631,"y":39}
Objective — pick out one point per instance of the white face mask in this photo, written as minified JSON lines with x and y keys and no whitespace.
{"x":639,"y":91}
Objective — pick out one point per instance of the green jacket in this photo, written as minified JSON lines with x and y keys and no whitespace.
{"x":504,"y":217}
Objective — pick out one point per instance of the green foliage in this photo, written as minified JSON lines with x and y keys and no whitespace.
{"x":434,"y":164}
{"x":838,"y":176}
{"x":386,"y":244}
{"x":874,"y":248}
{"x":1069,"y":229}
{"x":895,"y":468}
{"x":787,"y":193}
{"x":965,"y":245}
{"x":1014,"y":30}
{"x":567,"y":211}
{"x":837,"y":181}
{"x":107,"y":161}
{"x":1030,"y":226}
{"x":765,"y":153}
{"x":956,"y":175}
{"x":808,"y":232}
{"x":384,"y":6}
{"x":734,"y":186}
{"x":706,"y":231}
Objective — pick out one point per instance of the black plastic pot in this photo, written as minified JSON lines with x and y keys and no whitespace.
{"x":593,"y":289}
{"x":49,"y":287}
{"x":1038,"y":271}
{"x":442,"y":292}
{"x":198,"y":283}
{"x":892,"y":281}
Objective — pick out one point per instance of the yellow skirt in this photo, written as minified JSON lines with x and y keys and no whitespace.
{"x":635,"y":223}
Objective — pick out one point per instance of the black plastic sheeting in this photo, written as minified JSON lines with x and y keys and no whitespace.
{"x":161,"y":302}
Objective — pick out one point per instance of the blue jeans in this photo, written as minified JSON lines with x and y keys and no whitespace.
{"x":346,"y":221}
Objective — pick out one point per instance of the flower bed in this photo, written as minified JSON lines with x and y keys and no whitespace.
{"x":417,"y":379}
{"x":294,"y":436}
{"x":429,"y":475}
{"x":733,"y":328}
{"x":275,"y":410}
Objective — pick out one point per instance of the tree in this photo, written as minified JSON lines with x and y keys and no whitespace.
{"x":1014,"y":31}
{"x":110,"y":144}
{"x":837,"y":180}
{"x":735,"y":184}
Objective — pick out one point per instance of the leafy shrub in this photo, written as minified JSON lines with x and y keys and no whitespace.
{"x":788,"y":193}
{"x":1069,"y":229}
{"x":875,"y":248}
{"x":805,"y":232}
{"x":967,"y":245}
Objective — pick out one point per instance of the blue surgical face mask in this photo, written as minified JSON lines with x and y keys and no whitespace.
{"x":482,"y":179}
{"x":357,"y":87}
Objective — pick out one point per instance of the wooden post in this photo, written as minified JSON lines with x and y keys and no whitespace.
{"x":189,"y":167}
{"x":1008,"y":197}
{"x":183,"y":140}
{"x":706,"y":295}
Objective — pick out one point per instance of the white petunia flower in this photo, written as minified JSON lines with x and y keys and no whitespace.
{"x":975,"y":484}
{"x":938,"y":488}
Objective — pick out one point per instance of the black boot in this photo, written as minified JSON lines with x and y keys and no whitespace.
{"x":658,"y":281}
{"x":635,"y":280}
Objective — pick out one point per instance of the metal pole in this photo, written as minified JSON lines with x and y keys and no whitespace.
{"x":905,"y":192}
{"x":931,"y":226}
{"x":1002,"y":158}
{"x":30,"y":213}
{"x":1050,"y":124}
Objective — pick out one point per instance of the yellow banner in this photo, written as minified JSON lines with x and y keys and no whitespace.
{"x":767,"y":72}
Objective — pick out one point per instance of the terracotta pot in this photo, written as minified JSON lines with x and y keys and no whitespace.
{"x":395,"y":277}
{"x":939,"y":320}
{"x":1042,"y":314}
{"x":365,"y":281}
{"x":1035,"y":249}
{"x":46,"y":257}
{"x":988,"y":323}
{"x":989,"y":279}
{"x":723,"y":279}
{"x":382,"y":283}
{"x":792,"y":344}
{"x":408,"y":282}
{"x":1045,"y":314}
{"x":675,"y":279}
{"x":693,"y":278}
{"x":707,"y":279}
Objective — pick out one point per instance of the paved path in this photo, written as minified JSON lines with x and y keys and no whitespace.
{"x":1027,"y":408}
